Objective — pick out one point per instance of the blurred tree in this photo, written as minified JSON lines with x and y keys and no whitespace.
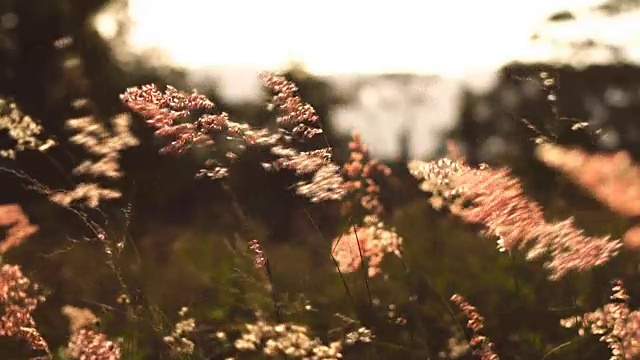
{"x":607,"y":8}
{"x":586,"y":44}
{"x":592,"y":107}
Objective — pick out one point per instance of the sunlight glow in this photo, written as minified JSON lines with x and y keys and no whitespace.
{"x":344,"y":36}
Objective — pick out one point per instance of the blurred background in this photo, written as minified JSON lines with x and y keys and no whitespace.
{"x":407,"y":75}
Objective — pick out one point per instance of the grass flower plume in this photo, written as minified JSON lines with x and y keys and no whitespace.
{"x":496,"y":200}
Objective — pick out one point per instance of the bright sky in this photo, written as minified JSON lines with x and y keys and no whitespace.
{"x":457,"y":39}
{"x":448,"y":37}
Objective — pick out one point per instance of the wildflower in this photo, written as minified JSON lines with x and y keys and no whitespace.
{"x":326,"y":184}
{"x":295,"y":111}
{"x":361,"y":335}
{"x":259,"y":258}
{"x":20,"y":227}
{"x":298,"y":120}
{"x":165,"y":111}
{"x":22,"y":129}
{"x":91,"y":193}
{"x":79,"y":318}
{"x":372,"y":242}
{"x":98,"y":141}
{"x":495,"y":199}
{"x":346,"y":251}
{"x":359,"y":174}
{"x":85,"y":343}
{"x":306,"y":162}
{"x":123,"y":299}
{"x":90,"y":345}
{"x":632,"y":237}
{"x":19,"y":297}
{"x":481,"y":345}
{"x":294,"y":341}
{"x":617,"y":325}
{"x":103,"y":144}
{"x":612,"y":178}
{"x":178,"y":341}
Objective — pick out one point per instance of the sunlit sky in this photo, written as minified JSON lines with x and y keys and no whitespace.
{"x":460,"y":40}
{"x":446,"y":37}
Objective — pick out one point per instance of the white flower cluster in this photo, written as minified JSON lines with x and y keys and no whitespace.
{"x":22,"y":129}
{"x":294,"y":341}
{"x":177,"y":340}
